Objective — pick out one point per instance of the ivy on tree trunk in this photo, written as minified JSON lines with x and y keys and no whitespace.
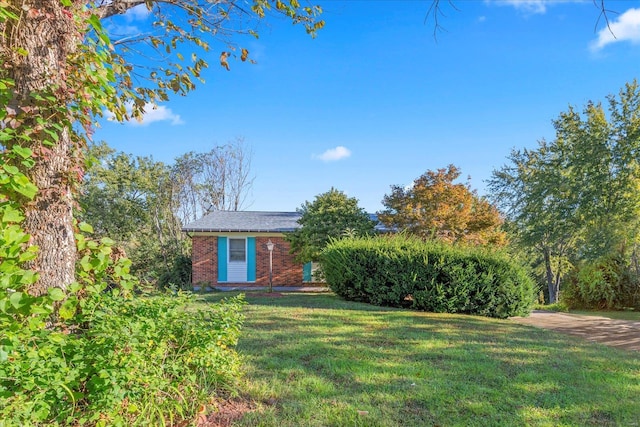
{"x":61,"y":70}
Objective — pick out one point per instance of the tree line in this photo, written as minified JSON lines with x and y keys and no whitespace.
{"x":575,"y":202}
{"x":142,"y":204}
{"x":570,"y":207}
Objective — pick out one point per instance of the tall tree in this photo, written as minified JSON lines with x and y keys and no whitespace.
{"x":60,"y":69}
{"x":434,"y":206}
{"x":603,"y":155}
{"x":578,"y":195}
{"x":331,"y":215}
{"x":534,"y":191}
{"x":219,"y":179}
{"x":129,"y":200}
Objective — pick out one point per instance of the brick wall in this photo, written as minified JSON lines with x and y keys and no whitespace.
{"x":285,"y":271}
{"x":204,"y":259}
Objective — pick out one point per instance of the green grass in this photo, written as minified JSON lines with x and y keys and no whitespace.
{"x":315,"y":360}
{"x":621,"y":315}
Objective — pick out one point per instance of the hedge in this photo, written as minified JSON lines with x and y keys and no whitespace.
{"x":401,"y":271}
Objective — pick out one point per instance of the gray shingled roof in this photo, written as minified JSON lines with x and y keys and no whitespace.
{"x":253,"y":222}
{"x":243,"y":221}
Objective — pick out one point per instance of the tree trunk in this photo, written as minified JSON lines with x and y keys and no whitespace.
{"x":553,"y":295}
{"x":49,"y":220}
{"x":46,"y":31}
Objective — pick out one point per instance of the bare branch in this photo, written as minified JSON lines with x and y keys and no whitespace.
{"x":604,"y":14}
{"x":106,"y":8}
{"x":435,"y":11}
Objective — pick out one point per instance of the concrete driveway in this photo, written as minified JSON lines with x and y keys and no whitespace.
{"x":616,"y":333}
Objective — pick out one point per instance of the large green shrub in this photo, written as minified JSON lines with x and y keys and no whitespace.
{"x":606,"y":283}
{"x":177,"y":273}
{"x":404,"y":271}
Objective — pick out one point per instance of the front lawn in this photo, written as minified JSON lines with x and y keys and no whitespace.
{"x":619,"y":315}
{"x":315,"y":360}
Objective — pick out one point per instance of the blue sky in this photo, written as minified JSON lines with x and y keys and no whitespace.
{"x":375,"y":100}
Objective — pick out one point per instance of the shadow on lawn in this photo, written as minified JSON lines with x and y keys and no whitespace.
{"x":413,"y":368}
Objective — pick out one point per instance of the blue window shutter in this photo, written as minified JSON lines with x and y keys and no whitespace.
{"x":251,"y":259}
{"x":222,"y":259}
{"x":306,"y":272}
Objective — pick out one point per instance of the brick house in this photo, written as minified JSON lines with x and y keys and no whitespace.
{"x":230,"y":248}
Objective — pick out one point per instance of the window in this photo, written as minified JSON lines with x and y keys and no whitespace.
{"x":237,"y":250}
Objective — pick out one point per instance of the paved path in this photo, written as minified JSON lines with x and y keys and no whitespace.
{"x":616,"y":333}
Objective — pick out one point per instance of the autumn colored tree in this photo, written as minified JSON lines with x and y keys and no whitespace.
{"x":59,"y":70}
{"x":434,"y":206}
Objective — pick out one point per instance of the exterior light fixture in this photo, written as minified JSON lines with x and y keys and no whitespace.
{"x":270,"y":247}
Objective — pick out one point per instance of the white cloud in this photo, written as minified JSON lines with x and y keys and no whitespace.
{"x":138,"y":13}
{"x":334,"y":154}
{"x":531,"y":6}
{"x":127,"y":27}
{"x":625,"y":28}
{"x":122,"y":30}
{"x":152,"y":113}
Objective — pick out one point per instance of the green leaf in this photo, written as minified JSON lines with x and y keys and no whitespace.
{"x":22,"y":185}
{"x":38,"y":309}
{"x":86,"y":228}
{"x":56,"y":294}
{"x":74,"y":287}
{"x":85,"y":263}
{"x":23,"y":152}
{"x":28,"y":277}
{"x":11,"y":169}
{"x":68,"y":308}
{"x":11,"y":215}
{"x":107,"y":241}
{"x":94,"y":21}
{"x":15,"y":299}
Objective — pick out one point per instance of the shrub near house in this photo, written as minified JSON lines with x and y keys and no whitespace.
{"x":431,"y":276}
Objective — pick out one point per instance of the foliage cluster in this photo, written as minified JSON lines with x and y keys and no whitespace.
{"x":131,"y":200}
{"x":100,"y":356}
{"x":110,"y":358}
{"x":142,"y":204}
{"x":432,"y":276}
{"x":609,"y":282}
{"x":331,"y":215}
{"x":95,"y":354}
{"x":436,"y":207}
{"x":575,"y":200}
